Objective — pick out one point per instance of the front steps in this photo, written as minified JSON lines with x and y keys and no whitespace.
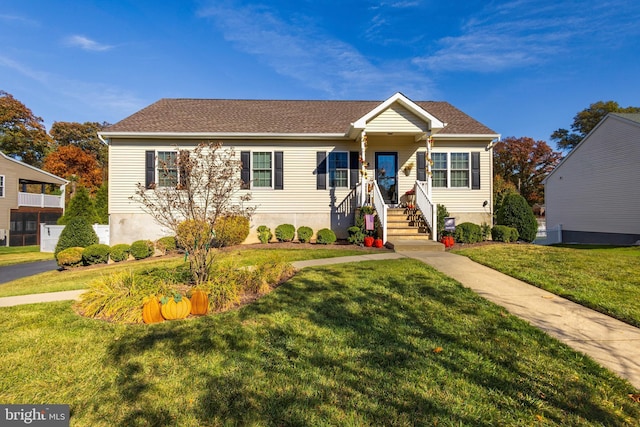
{"x":406,"y":231}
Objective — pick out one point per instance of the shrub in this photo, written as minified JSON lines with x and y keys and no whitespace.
{"x":167,"y":244}
{"x":442,"y":213}
{"x":96,"y":254}
{"x":264,"y":234}
{"x":304,"y":234}
{"x":193,"y":233}
{"x":326,"y":236}
{"x":231,"y":230}
{"x":515,"y":212}
{"x":120,"y":252}
{"x":503,"y":233}
{"x":285,"y":232}
{"x":77,"y":233}
{"x":356,"y":235}
{"x":141,"y":249}
{"x":486,"y":231}
{"x":468,"y":232}
{"x":70,"y":257}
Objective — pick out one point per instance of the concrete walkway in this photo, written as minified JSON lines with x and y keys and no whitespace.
{"x":611,"y":343}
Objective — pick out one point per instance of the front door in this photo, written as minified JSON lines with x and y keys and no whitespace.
{"x":387,"y":176}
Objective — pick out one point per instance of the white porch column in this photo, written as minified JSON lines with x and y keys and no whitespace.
{"x":363,"y":168}
{"x":429,"y":161}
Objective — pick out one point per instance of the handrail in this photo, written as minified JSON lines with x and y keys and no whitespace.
{"x":428,"y":209}
{"x":381,"y":209}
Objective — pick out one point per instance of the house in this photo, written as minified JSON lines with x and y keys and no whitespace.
{"x":312,"y":163}
{"x":25,"y":201}
{"x":594,"y":193}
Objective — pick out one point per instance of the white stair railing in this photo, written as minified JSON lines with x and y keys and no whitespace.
{"x":381,"y":209}
{"x":428,"y":209}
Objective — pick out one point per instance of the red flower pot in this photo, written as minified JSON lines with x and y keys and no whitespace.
{"x":377,"y":243}
{"x":368,"y":241}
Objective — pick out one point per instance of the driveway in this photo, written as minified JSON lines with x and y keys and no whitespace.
{"x":17,"y":271}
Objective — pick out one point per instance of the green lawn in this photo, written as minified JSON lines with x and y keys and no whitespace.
{"x":605,"y":279}
{"x":10,"y":255}
{"x":369,"y":343}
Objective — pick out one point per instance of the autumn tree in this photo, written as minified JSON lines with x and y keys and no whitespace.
{"x":74,"y":164}
{"x":206,"y":186}
{"x":22,"y":134}
{"x":585,"y":121}
{"x":83,"y":136}
{"x":525,"y":163}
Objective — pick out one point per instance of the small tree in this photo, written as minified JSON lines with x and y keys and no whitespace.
{"x":515,"y":212}
{"x":102,"y":204}
{"x":208,"y":187}
{"x":80,"y":206}
{"x":77,"y":233}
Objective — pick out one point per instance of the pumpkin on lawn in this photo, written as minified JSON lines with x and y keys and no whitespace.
{"x":176,"y":307}
{"x":151,"y":310}
{"x":199,"y":302}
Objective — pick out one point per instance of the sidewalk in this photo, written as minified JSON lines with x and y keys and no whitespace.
{"x":611,"y":343}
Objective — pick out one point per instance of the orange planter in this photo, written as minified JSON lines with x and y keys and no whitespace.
{"x":378,"y":243}
{"x":368,"y":241}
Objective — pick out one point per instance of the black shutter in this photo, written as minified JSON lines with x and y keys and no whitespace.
{"x":278,"y":170}
{"x":354,"y":168}
{"x":321,"y":171}
{"x":150,"y":169}
{"x":183,"y":176}
{"x":245,"y":173}
{"x":421,"y":169}
{"x":475,"y":171}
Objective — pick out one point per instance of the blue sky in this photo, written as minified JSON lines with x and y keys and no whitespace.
{"x":521,"y":67}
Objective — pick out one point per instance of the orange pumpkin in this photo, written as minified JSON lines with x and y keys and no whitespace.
{"x":199,"y":302}
{"x":151,"y":311}
{"x":176,"y":307}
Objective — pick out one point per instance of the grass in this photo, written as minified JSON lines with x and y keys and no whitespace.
{"x":370,"y":343}
{"x":602,"y":278}
{"x":10,"y":255}
{"x":55,"y":281}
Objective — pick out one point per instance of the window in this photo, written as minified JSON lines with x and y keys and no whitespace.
{"x":1,"y":185}
{"x":450,"y":170}
{"x":262,"y":170}
{"x":167,"y":168}
{"x":439,"y":170}
{"x":338,"y":169}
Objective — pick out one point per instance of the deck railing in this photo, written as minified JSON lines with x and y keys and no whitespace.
{"x":39,"y":200}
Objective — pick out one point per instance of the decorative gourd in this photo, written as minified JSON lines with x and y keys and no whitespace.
{"x":368,"y":241}
{"x":151,"y":310}
{"x":199,"y":302}
{"x":378,"y":243}
{"x":176,"y":307}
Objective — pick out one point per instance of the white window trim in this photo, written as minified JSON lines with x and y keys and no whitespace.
{"x":3,"y":186}
{"x":271,"y":153}
{"x":449,"y":168}
{"x":159,"y":171}
{"x":347,"y":168}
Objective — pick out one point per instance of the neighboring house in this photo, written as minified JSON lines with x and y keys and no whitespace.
{"x":594,"y":193}
{"x":25,"y":201}
{"x":311,"y":163}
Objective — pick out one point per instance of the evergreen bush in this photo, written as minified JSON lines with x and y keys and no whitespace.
{"x":80,"y":205}
{"x":120,"y":252}
{"x":304,"y":234}
{"x":77,"y":233}
{"x":96,"y":254}
{"x":468,"y":232}
{"x":503,"y":233}
{"x":141,"y":249}
{"x":285,"y":232}
{"x":166,"y":244}
{"x":102,"y":204}
{"x":231,"y":230}
{"x":326,"y":236}
{"x":515,"y":212}
{"x":356,"y":235}
{"x":70,"y":257}
{"x":442,"y":213}
{"x":264,"y":234}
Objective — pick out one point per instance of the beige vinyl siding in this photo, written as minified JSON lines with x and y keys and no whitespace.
{"x":396,"y":119}
{"x":596,"y":188}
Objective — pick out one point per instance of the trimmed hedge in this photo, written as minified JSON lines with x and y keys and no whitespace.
{"x":515,"y":212}
{"x":304,"y":234}
{"x":96,"y":254}
{"x":468,"y":232}
{"x":264,"y":234}
{"x":167,"y":244}
{"x":141,"y":249}
{"x":231,"y":230}
{"x":70,"y":257}
{"x":120,"y":252}
{"x":503,"y":233}
{"x":285,"y":232}
{"x":326,"y":236}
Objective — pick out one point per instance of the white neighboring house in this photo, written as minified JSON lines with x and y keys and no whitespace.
{"x":312,"y":163}
{"x":594,"y":192}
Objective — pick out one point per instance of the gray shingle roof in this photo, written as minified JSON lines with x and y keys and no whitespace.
{"x":273,"y":116}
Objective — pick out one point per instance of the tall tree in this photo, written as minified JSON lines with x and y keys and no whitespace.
{"x":22,"y":134}
{"x":82,"y":135}
{"x":585,"y":121}
{"x":525,"y":163}
{"x":81,"y":205}
{"x":76,"y":165}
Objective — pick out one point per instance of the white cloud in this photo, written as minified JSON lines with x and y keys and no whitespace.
{"x":86,"y":43}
